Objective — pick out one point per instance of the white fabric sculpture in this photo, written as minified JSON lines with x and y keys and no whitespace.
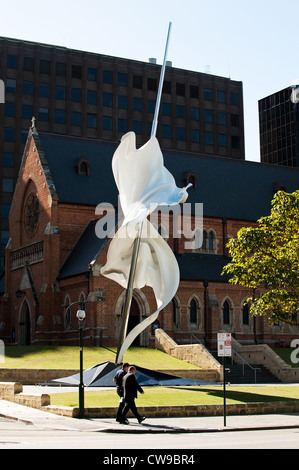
{"x":143,"y":184}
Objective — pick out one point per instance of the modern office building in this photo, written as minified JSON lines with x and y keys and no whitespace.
{"x":100,"y":97}
{"x":279,"y":128}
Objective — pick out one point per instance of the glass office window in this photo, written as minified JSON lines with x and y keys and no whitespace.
{"x":44,"y":90}
{"x":152,"y":84}
{"x":27,"y":88}
{"x":60,"y":69}
{"x":222,"y":140}
{"x":4,"y":237}
{"x":92,"y":121}
{"x":92,"y":74}
{"x":5,"y":209}
{"x":207,"y":94}
{"x":28,"y":64}
{"x":24,"y":135}
{"x":8,"y":159}
{"x":7,"y":185}
{"x":151,"y":105}
{"x":209,"y":138}
{"x":137,"y":104}
{"x":91,"y":97}
{"x":10,"y":109}
{"x":221,"y":96}
{"x":27,"y":111}
{"x":107,"y":76}
{"x":166,"y":87}
{"x":122,"y":102}
{"x":235,"y":120}
{"x":11,"y":85}
{"x":43,"y":114}
{"x":9,"y":134}
{"x":180,"y":89}
{"x":45,"y":67}
{"x":194,"y":91}
{"x":208,"y":115}
{"x":235,"y":142}
{"x":234,"y":99}
{"x":60,"y":92}
{"x":12,"y":61}
{"x":180,"y":111}
{"x":76,"y":94}
{"x":166,"y":131}
{"x":59,"y":116}
{"x":122,"y":79}
{"x":181,"y":133}
{"x":221,"y":117}
{"x":107,"y":123}
{"x":166,"y":109}
{"x":137,"y":81}
{"x":107,"y":99}
{"x":77,"y":71}
{"x":122,"y":125}
{"x":194,"y":136}
{"x":194,"y":114}
{"x":137,"y":127}
{"x":75,"y":118}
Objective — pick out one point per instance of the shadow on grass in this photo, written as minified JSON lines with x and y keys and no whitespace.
{"x":243,"y":397}
{"x":22,"y":351}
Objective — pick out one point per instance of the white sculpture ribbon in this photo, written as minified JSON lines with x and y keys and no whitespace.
{"x":144,"y":184}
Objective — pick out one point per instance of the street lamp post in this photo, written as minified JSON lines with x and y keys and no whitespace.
{"x":81,"y":315}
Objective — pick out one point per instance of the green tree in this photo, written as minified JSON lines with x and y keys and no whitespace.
{"x":266,"y":257}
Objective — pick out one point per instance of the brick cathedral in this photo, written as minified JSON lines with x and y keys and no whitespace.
{"x":54,"y":257}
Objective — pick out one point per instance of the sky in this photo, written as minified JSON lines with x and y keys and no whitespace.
{"x":253,"y":41}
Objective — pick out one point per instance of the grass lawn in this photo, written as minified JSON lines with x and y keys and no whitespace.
{"x":67,"y":357}
{"x":175,"y":396}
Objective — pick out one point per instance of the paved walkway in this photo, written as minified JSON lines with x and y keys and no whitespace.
{"x":46,"y":420}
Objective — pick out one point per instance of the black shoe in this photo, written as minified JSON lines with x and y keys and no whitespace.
{"x":125,"y":421}
{"x":141,"y":419}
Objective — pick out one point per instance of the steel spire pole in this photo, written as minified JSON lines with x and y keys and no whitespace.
{"x":136,"y":245}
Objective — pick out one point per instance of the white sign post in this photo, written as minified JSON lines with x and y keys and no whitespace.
{"x":224,"y":346}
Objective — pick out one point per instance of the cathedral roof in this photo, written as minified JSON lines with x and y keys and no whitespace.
{"x":228,"y":188}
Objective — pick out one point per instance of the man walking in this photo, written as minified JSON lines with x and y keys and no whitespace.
{"x":130,"y":388}
{"x":118,"y":379}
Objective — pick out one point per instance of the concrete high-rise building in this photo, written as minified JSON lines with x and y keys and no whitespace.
{"x":279,"y":128}
{"x":95,"y":96}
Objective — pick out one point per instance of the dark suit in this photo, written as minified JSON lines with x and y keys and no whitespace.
{"x":119,"y":389}
{"x":130,"y":389}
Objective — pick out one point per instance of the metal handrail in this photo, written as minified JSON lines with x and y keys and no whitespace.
{"x":255,"y":369}
{"x":198,"y":340}
{"x":269,"y":357}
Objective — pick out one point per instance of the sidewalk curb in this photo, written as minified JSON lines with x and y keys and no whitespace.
{"x":126,"y":430}
{"x":152,"y":430}
{"x":13,"y":418}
